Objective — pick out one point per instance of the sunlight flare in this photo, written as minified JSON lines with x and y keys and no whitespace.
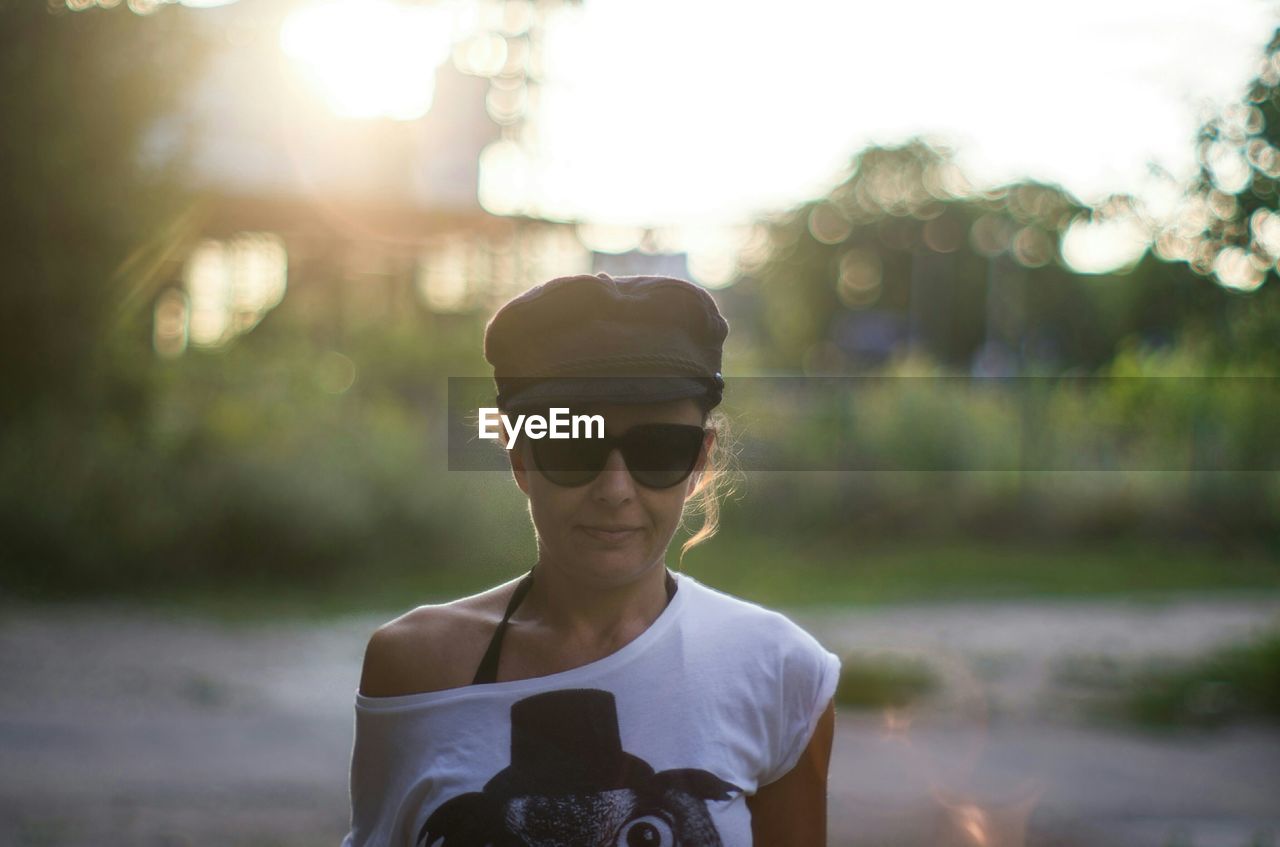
{"x":370,"y":58}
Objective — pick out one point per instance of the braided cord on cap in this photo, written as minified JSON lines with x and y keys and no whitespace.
{"x":680,"y":363}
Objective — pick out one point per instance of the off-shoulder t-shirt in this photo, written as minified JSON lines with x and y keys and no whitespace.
{"x":657,"y":743}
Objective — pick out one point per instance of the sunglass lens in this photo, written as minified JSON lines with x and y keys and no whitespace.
{"x":662,"y":455}
{"x":569,"y":461}
{"x":657,"y":455}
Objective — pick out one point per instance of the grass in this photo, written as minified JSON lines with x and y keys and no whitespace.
{"x":800,"y":572}
{"x":1233,"y":683}
{"x":1259,"y":839}
{"x":774,"y":571}
{"x":875,"y":681}
{"x":374,"y":591}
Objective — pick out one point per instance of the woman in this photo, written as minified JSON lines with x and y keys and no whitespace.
{"x":607,"y":701}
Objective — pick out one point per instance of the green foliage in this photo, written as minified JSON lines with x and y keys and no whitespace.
{"x":243,"y":466}
{"x":1162,"y":444}
{"x":1234,"y":683}
{"x":247,"y":470}
{"x":875,"y":681}
{"x":1239,"y":682}
{"x":1246,"y":132}
{"x":904,"y":256}
{"x":816,"y":568}
{"x":89,"y":203}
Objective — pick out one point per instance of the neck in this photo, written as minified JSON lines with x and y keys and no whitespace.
{"x":594,"y":613}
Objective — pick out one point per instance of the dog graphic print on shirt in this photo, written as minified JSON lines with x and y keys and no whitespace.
{"x":571,"y":784}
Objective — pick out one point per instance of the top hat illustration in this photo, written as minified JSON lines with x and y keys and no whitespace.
{"x":563,"y":743}
{"x":567,"y":742}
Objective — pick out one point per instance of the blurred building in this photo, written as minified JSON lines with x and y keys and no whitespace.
{"x":343,"y":220}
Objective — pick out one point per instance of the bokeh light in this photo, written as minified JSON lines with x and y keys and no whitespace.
{"x":231,"y":285}
{"x":860,"y":275}
{"x":1237,"y":268}
{"x":1099,"y":247}
{"x":506,"y":179}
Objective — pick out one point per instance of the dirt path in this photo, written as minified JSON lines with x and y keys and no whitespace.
{"x":123,"y":728}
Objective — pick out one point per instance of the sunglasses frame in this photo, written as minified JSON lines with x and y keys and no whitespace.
{"x":627,"y":441}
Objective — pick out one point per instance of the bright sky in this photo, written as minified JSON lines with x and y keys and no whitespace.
{"x":662,"y":111}
{"x":696,"y":117}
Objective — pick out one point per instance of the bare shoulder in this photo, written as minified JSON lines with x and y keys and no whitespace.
{"x":434,"y":647}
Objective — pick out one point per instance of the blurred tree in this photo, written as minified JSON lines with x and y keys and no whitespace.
{"x":904,"y":255}
{"x":1228,"y":227}
{"x":90,"y":158}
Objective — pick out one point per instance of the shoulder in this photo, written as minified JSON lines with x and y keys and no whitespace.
{"x":432,"y":647}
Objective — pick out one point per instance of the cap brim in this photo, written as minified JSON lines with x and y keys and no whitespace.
{"x":622,"y":390}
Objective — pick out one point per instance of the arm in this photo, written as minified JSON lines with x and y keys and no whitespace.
{"x":793,"y":810}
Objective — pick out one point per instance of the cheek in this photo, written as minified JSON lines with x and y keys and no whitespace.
{"x":666,"y":509}
{"x":550,"y":508}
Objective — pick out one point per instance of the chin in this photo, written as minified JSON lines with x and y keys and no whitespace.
{"x":611,"y":567}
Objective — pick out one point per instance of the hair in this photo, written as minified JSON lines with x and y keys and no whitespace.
{"x":715,"y":482}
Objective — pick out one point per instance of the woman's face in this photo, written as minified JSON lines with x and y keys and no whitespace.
{"x":572,"y":523}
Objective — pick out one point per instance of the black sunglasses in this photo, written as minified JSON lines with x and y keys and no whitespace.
{"x":658,"y":455}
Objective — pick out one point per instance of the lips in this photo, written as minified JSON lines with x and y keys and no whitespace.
{"x":610,"y":533}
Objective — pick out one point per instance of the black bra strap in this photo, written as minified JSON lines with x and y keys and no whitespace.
{"x":488,"y":670}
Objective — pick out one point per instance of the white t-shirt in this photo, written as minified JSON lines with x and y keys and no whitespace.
{"x":658,"y":743}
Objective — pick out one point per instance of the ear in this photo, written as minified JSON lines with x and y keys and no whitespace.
{"x":708,"y":442}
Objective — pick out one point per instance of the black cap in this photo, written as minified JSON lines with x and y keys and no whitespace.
{"x":601,"y":339}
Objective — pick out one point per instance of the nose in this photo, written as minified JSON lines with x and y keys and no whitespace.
{"x":614,"y":485}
